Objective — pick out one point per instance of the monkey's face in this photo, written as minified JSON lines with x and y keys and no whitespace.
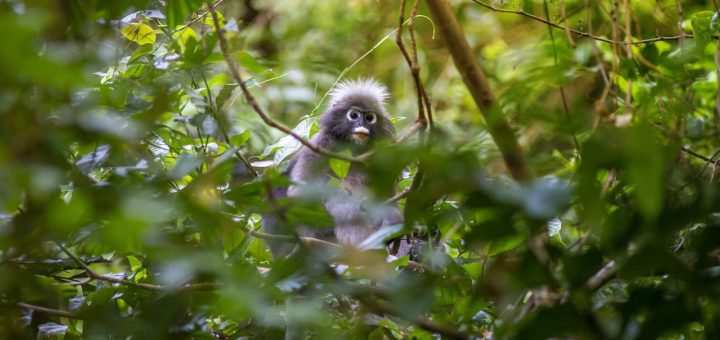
{"x":359,"y":124}
{"x":356,"y":124}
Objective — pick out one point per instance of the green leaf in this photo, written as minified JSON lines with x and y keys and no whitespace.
{"x":239,"y":139}
{"x":134,"y":262}
{"x":142,"y":50}
{"x":287,"y":145}
{"x":197,"y":100}
{"x":187,"y":39}
{"x":140,"y":33}
{"x":339,"y":166}
{"x":313,"y":215}
{"x":136,"y":70}
{"x":378,"y":238}
{"x":184,"y":165}
{"x":227,"y":96}
{"x":249,"y":62}
{"x":700,"y":23}
{"x":210,"y":21}
{"x":646,"y":168}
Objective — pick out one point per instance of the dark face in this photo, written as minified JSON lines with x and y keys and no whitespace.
{"x":356,"y":124}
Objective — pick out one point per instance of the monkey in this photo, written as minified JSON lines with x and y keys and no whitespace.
{"x":356,"y":119}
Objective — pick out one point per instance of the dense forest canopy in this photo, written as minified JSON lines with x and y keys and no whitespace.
{"x":555,"y":168}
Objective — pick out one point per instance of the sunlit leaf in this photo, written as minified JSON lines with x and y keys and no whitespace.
{"x":139,"y":33}
{"x":701,"y":22}
{"x":340,"y":167}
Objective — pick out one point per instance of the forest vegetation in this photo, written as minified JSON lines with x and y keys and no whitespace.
{"x":556,"y":169}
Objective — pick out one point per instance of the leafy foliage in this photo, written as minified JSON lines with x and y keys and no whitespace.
{"x":135,"y":173}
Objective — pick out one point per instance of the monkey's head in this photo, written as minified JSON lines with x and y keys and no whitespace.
{"x":356,"y":113}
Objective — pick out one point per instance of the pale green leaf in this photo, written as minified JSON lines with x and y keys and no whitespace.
{"x":140,"y":33}
{"x":340,"y":167}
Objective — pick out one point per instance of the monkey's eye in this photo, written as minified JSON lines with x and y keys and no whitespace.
{"x":370,"y":118}
{"x":353,"y":114}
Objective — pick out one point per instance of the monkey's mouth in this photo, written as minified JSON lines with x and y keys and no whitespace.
{"x":360,"y":134}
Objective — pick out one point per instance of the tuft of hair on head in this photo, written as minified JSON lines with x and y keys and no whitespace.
{"x":361,"y":87}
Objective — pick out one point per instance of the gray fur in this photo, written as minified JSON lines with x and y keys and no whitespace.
{"x":308,"y":169}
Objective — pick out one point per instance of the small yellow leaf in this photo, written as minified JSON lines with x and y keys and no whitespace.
{"x":139,"y":33}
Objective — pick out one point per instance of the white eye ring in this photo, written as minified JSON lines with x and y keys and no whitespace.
{"x":370,"y":118}
{"x":353,"y":115}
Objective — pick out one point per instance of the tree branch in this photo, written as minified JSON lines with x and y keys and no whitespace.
{"x":234,"y":71}
{"x":479,"y":88}
{"x":412,"y":62}
{"x":48,"y":311}
{"x":290,"y":238}
{"x":91,"y":273}
{"x":697,"y":155}
{"x":581,"y":33}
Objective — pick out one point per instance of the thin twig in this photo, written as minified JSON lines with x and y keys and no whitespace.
{"x":580,"y":33}
{"x":290,"y":238}
{"x":695,"y":154}
{"x":199,"y":17}
{"x":424,"y":106}
{"x":48,"y":311}
{"x":681,"y":18}
{"x":628,"y":55}
{"x":91,"y":273}
{"x":564,"y":21}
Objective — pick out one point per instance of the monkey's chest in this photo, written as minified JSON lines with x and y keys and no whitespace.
{"x":346,"y":203}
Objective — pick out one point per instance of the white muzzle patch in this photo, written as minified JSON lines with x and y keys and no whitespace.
{"x":360,"y":134}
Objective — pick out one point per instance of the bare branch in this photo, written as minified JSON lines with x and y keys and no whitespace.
{"x":290,"y":238}
{"x":91,"y":273}
{"x":48,"y":311}
{"x":581,"y":33}
{"x":424,"y":107}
